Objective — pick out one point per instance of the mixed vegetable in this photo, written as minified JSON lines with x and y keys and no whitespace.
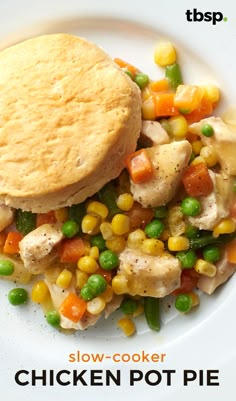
{"x":165,"y":227}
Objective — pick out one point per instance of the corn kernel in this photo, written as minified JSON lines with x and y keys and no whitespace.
{"x":107,"y":295}
{"x":62,"y":214}
{"x":146,"y":93}
{"x":64,"y":279}
{"x":90,"y":224}
{"x":195,"y":298}
{"x":196,"y":147}
{"x":127,"y":326}
{"x":87,"y":264}
{"x":178,"y":127}
{"x":211,"y":93}
{"x":116,"y":244}
{"x":135,"y":238}
{"x":178,"y":243}
{"x":106,"y":230}
{"x":164,"y":54}
{"x":148,"y":109}
{"x":152,"y":246}
{"x":98,"y":209}
{"x":120,"y":224}
{"x":39,"y":292}
{"x":225,"y":226}
{"x":198,"y":159}
{"x":94,"y":252}
{"x":139,"y":310}
{"x":205,"y":268}
{"x":52,"y":273}
{"x":120,"y":284}
{"x":81,"y":279}
{"x":176,"y":221}
{"x":96,"y":305}
{"x":210,"y":155}
{"x":125,"y":202}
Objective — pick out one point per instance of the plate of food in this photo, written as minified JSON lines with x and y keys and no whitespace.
{"x":118,"y":193}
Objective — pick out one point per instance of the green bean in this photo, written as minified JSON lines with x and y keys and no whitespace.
{"x":207,"y":239}
{"x":76,"y":213}
{"x":107,"y":195}
{"x":152,"y":312}
{"x":173,"y":74}
{"x":25,"y":221}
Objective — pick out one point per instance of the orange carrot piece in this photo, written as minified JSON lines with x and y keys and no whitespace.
{"x":164,"y":105}
{"x":45,"y":218}
{"x":139,"y":166}
{"x":123,"y":64}
{"x":159,"y":86}
{"x":11,"y":245}
{"x":231,"y":251}
{"x":203,"y":111}
{"x":107,"y":274}
{"x":71,"y":250}
{"x":197,"y":180}
{"x":73,"y":307}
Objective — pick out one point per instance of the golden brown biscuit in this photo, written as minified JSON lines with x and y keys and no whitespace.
{"x":68,"y":117}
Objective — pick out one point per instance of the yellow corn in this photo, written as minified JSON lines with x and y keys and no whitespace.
{"x":120,"y":224}
{"x":106,"y":230}
{"x":87,"y":264}
{"x":120,"y":284}
{"x":178,"y":243}
{"x":176,"y":221}
{"x":81,"y":279}
{"x":146,"y":93}
{"x":152,"y":246}
{"x":212,"y":93}
{"x":107,"y":295}
{"x":205,"y":268}
{"x":139,"y":310}
{"x":52,"y":273}
{"x":195,"y":298}
{"x":98,"y":209}
{"x":62,"y":214}
{"x":196,"y":147}
{"x":210,"y":155}
{"x":116,"y":244}
{"x":90,"y":224}
{"x":127,"y":326}
{"x":225,"y":226}
{"x":64,"y":279}
{"x":135,"y":239}
{"x":148,"y":109}
{"x":178,"y":127}
{"x":39,"y":292}
{"x":94,"y":252}
{"x":125,"y":202}
{"x":198,"y":159}
{"x":164,"y":54}
{"x":96,"y":305}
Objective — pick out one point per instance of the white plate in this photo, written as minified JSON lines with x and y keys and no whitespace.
{"x":190,"y":342}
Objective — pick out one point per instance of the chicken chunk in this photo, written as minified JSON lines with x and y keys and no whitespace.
{"x":215,"y":206}
{"x":155,"y":132}
{"x":224,"y":271}
{"x":37,"y":249}
{"x":223,"y":140}
{"x":155,"y":276}
{"x":6,"y":216}
{"x":169,"y":161}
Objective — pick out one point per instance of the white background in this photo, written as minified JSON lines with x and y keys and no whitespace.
{"x":206,"y":340}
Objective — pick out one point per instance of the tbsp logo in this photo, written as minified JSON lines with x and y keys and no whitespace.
{"x":198,"y":16}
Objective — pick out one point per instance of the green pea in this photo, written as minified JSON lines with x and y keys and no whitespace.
{"x":97,"y":283}
{"x":183,"y":303}
{"x":70,"y":228}
{"x":207,"y":130}
{"x":17,"y":296}
{"x":128,"y":306}
{"x":187,"y":258}
{"x":53,"y":318}
{"x":211,"y":253}
{"x":87,"y":292}
{"x":108,"y":260}
{"x":141,"y":80}
{"x":154,"y":229}
{"x":160,"y":212}
{"x":98,"y":240}
{"x":6,"y":267}
{"x":129,"y":74}
{"x":190,"y":206}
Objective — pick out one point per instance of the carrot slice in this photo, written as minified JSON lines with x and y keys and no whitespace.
{"x":160,"y":85}
{"x":139,"y":166}
{"x":71,"y":250}
{"x":197,"y":180}
{"x":123,"y":64}
{"x":73,"y":307}
{"x":11,"y":245}
{"x":45,"y":218}
{"x":203,"y":111}
{"x":231,"y":251}
{"x":164,"y":105}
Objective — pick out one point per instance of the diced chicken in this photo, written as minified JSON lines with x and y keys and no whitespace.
{"x":6,"y":216}
{"x":20,"y":274}
{"x":113,"y":305}
{"x":223,"y":140}
{"x":154,"y":131}
{"x":155,"y":276}
{"x":215,"y":206}
{"x":169,"y":161}
{"x":38,"y":248}
{"x":224,"y":271}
